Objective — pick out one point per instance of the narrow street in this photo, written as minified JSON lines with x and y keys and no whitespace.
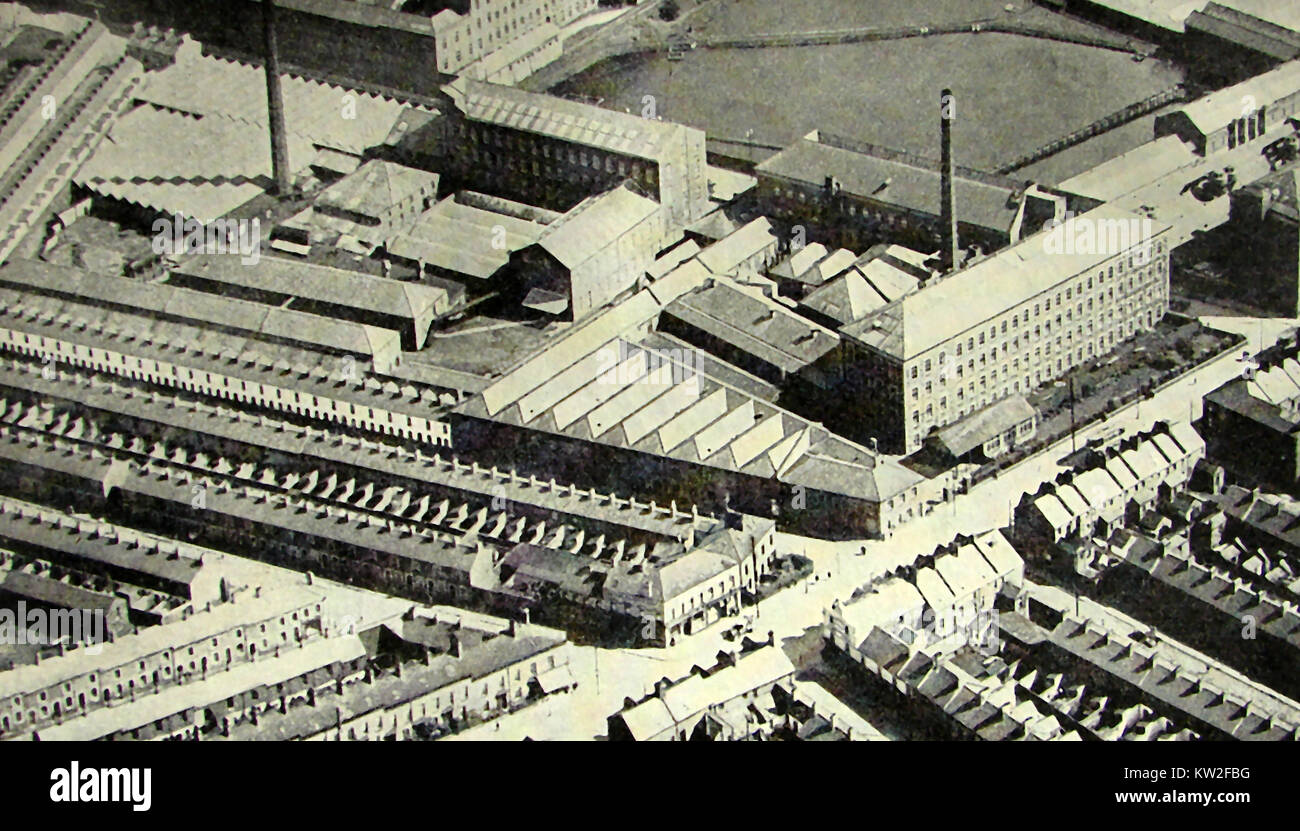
{"x":607,"y":676}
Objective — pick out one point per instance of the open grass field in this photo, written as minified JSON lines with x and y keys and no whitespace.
{"x":1014,"y":93}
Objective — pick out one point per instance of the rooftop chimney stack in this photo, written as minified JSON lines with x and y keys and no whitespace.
{"x":948,"y":209}
{"x":274,"y":102}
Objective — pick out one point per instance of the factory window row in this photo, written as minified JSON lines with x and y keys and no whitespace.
{"x":1150,"y":287}
{"x":554,"y":165}
{"x":957,"y":392}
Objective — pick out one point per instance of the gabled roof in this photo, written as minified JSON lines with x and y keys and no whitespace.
{"x":108,"y":545}
{"x":1246,"y":29}
{"x":1097,"y":486}
{"x":684,"y":573}
{"x":1218,"y":109}
{"x":723,"y":256}
{"x":824,"y":270}
{"x":680,"y":253}
{"x":377,"y":186}
{"x":1054,"y":511}
{"x":965,"y":571}
{"x":564,"y":119}
{"x":351,"y":289}
{"x":1073,"y":501}
{"x":800,"y":262}
{"x":1282,"y":15}
{"x":977,"y":294}
{"x":1187,"y":437}
{"x":985,"y":424}
{"x":697,"y":693}
{"x":1120,"y":472}
{"x":1129,"y":171}
{"x":594,"y":224}
{"x":211,"y":150}
{"x":203,"y":201}
{"x":648,"y":719}
{"x":1168,"y":447}
{"x":1001,"y":555}
{"x":885,"y":603}
{"x":881,"y":330}
{"x":463,"y":238}
{"x":198,"y":627}
{"x":846,"y":298}
{"x":45,"y":589}
{"x":1143,"y":460}
{"x":755,"y":324}
{"x":535,"y":562}
{"x":218,"y":687}
{"x":890,"y":275}
{"x":208,"y":86}
{"x":166,"y":300}
{"x":680,"y":703}
{"x":893,"y":177}
{"x":806,"y":454}
{"x":883,"y":648}
{"x":1274,"y":385}
{"x":934,"y":589}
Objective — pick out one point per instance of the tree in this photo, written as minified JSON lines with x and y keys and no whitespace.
{"x":668,"y":10}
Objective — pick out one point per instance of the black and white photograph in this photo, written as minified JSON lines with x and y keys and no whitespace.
{"x":566,"y":371}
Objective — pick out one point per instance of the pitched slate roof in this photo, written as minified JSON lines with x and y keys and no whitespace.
{"x":682,"y":702}
{"x":754,"y":324}
{"x":271,"y":603}
{"x":984,"y":424}
{"x":912,"y":182}
{"x":376,"y":186}
{"x":845,"y":299}
{"x":725,"y":255}
{"x":1218,"y":109}
{"x":684,"y":414}
{"x":201,"y":307}
{"x":593,"y":224}
{"x":977,"y":294}
{"x":563,"y":119}
{"x":204,"y":85}
{"x":1245,"y":29}
{"x":336,"y":286}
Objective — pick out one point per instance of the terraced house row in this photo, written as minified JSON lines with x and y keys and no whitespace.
{"x":674,"y":571}
{"x":1116,"y":487}
{"x":270,"y":375}
{"x":249,"y":624}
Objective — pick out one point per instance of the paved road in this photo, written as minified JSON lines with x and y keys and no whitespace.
{"x":623,"y":673}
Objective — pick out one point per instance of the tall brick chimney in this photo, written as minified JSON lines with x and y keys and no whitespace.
{"x":948,"y":209}
{"x":274,"y":102}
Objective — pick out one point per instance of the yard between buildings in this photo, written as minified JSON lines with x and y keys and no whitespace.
{"x":1136,"y":366}
{"x":1132,"y":370}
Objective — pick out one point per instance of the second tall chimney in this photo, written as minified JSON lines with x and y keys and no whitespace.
{"x":948,"y":252}
{"x":274,"y":102}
